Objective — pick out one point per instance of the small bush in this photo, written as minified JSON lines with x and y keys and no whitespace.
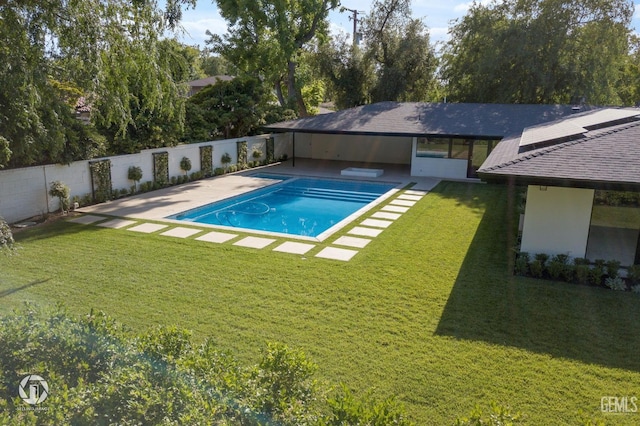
{"x":196,"y":176}
{"x":124,"y":192}
{"x":582,"y":274}
{"x":7,"y":243}
{"x":225,"y":159}
{"x":557,"y":266}
{"x":633,"y":274}
{"x":536,"y":269}
{"x":185,"y":165}
{"x":61,"y":191}
{"x":256,"y":154}
{"x":174,"y":180}
{"x":615,"y":284}
{"x":522,"y":264}
{"x":613,"y":268}
{"x":635,"y":288}
{"x":218,"y":171}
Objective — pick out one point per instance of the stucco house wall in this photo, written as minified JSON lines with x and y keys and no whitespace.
{"x":557,"y":220}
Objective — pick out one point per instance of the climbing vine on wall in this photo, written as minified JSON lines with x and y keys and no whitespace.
{"x":206,"y":160}
{"x":270,"y":150}
{"x":161,"y":168}
{"x":242,"y":154}
{"x":101,"y":180}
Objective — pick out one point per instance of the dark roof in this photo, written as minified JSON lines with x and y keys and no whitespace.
{"x":209,"y":80}
{"x":428,"y":119}
{"x":606,"y":157}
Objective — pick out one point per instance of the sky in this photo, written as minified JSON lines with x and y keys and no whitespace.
{"x":436,"y":14}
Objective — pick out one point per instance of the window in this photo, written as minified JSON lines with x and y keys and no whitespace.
{"x":460,"y":149}
{"x":433,"y":147}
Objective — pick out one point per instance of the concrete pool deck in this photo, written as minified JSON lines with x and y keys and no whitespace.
{"x":131,"y":213}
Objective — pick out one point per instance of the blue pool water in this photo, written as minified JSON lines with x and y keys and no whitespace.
{"x":295,"y":206}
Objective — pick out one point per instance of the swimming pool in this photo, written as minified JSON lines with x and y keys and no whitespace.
{"x":304,"y":207}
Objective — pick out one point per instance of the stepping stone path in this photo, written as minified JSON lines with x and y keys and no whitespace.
{"x":358,"y":237}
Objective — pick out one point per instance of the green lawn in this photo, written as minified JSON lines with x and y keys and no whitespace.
{"x":428,"y":311}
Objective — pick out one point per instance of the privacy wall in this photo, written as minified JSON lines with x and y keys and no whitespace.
{"x":24,"y":192}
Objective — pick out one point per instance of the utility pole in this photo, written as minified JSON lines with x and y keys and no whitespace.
{"x":355,"y":19}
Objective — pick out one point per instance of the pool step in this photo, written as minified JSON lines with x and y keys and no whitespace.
{"x":329,"y":194}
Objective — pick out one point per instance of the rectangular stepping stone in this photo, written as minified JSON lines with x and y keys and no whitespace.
{"x":87,"y":219}
{"x":147,"y":228}
{"x":397,"y":209}
{"x":254,"y":242}
{"x":217,"y":237}
{"x":385,"y":215}
{"x":116,"y":223}
{"x":365,"y":232}
{"x":412,"y":192}
{"x":409,"y":197}
{"x":376,"y":223}
{"x":335,"y":253}
{"x":180,"y":232}
{"x":405,"y":203}
{"x":352,"y":242}
{"x":294,"y":248}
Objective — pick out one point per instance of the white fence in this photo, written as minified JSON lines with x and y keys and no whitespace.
{"x":24,"y":192}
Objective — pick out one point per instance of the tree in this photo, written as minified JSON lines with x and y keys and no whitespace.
{"x":227,"y":109}
{"x":265,"y":39}
{"x":400,"y":46}
{"x":111,"y":52}
{"x":526,"y":51}
{"x":349,"y":72}
{"x":61,"y":191}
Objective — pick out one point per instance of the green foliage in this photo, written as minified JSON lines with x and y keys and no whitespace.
{"x":96,"y":369}
{"x":497,"y":415}
{"x":185,"y":164}
{"x":547,"y":48}
{"x":55,"y":51}
{"x":633,"y":274}
{"x":61,"y":191}
{"x":224,"y":110}
{"x":267,"y":39}
{"x":400,"y":47}
{"x":522,"y":264}
{"x":346,"y":409}
{"x":270,"y":144}
{"x":225,"y":159}
{"x":242,"y":154}
{"x":7,"y":243}
{"x":160,"y":169}
{"x":612,"y":268}
{"x":134,"y":173}
{"x":5,"y":152}
{"x":558,"y":266}
{"x":615,"y":284}
{"x":101,"y":180}
{"x":206,"y":160}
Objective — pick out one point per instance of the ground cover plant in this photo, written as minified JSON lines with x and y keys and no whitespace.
{"x":429,"y":312}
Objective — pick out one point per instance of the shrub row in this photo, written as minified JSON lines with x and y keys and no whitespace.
{"x":561,"y":267}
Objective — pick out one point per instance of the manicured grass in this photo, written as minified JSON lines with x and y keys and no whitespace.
{"x":616,"y":217}
{"x":428,"y":311}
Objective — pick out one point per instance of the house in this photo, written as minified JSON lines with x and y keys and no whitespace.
{"x":431,"y":139}
{"x":197,"y":85}
{"x":566,"y":165}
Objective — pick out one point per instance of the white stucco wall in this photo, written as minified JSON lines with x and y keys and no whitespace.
{"x":446,"y":168}
{"x":372,"y":149}
{"x":557,"y":220}
{"x":23,"y":192}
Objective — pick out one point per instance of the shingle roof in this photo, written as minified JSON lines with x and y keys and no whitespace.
{"x":600,"y":157}
{"x":423,"y":119}
{"x":209,"y":80}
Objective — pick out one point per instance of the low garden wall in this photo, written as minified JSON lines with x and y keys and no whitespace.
{"x":24,"y":192}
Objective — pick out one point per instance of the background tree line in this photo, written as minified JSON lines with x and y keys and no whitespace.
{"x":117,"y":56}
